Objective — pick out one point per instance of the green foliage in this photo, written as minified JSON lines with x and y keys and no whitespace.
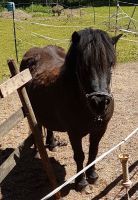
{"x":38,"y":8}
{"x":1,"y":8}
{"x":40,"y":14}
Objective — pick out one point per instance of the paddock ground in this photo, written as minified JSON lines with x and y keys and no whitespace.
{"x":28,"y":182}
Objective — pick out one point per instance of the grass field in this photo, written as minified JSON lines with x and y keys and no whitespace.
{"x":27,"y":37}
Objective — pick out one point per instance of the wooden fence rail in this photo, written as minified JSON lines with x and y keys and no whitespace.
{"x":12,"y":121}
{"x":17,"y":82}
{"x":10,"y":162}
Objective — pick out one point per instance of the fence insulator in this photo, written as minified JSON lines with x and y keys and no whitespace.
{"x":124,"y":161}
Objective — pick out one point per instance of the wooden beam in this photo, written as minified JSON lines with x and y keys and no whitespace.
{"x":35,"y":128}
{"x":10,"y":162}
{"x":12,"y":121}
{"x":15,"y":83}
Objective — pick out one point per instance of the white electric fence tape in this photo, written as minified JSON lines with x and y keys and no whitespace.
{"x":88,"y":166}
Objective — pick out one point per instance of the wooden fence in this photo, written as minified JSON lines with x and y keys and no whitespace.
{"x":17,"y":82}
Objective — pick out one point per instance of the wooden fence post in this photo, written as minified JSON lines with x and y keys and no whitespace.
{"x":35,"y":129}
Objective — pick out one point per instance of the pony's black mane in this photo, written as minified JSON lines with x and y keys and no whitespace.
{"x":96,"y":47}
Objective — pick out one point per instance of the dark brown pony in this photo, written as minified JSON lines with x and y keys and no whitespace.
{"x":71,"y":92}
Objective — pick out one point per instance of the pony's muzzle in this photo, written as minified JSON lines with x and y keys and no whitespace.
{"x":99,"y":100}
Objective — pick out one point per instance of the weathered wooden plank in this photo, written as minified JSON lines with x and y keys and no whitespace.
{"x":10,"y":162}
{"x":8,"y":124}
{"x":15,"y":82}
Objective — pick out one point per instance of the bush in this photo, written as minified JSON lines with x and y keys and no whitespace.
{"x":38,"y":8}
{"x":1,"y":8}
{"x":57,"y":9}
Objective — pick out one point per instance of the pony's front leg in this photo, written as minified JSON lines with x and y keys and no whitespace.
{"x":76,"y":143}
{"x":94,"y":140}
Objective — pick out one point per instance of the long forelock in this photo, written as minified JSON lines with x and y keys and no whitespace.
{"x":95,"y":48}
{"x":98,"y":49}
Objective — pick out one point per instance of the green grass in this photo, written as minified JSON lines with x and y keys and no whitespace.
{"x":39,"y":10}
{"x":126,"y":51}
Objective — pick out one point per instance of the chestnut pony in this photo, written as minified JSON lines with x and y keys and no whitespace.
{"x":71,"y":92}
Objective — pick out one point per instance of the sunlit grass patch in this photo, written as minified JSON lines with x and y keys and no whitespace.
{"x":60,"y":29}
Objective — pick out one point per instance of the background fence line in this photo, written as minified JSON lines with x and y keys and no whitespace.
{"x":124,"y":2}
{"x":127,"y":14}
{"x":129,"y":40}
{"x":56,"y":26}
{"x":49,"y":38}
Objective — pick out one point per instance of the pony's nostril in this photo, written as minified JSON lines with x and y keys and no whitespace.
{"x":95,"y":99}
{"x":107,"y":101}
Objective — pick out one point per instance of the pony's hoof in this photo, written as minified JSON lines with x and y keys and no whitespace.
{"x":87,"y":190}
{"x":92,"y":178}
{"x":56,"y":143}
{"x":80,"y":186}
{"x":53,"y":149}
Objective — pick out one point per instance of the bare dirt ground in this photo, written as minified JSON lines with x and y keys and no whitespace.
{"x":18,"y":14}
{"x":27,"y":181}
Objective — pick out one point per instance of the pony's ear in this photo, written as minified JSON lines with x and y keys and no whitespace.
{"x":75,"y":37}
{"x":116,"y":38}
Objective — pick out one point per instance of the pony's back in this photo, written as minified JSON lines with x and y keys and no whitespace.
{"x":45,"y":63}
